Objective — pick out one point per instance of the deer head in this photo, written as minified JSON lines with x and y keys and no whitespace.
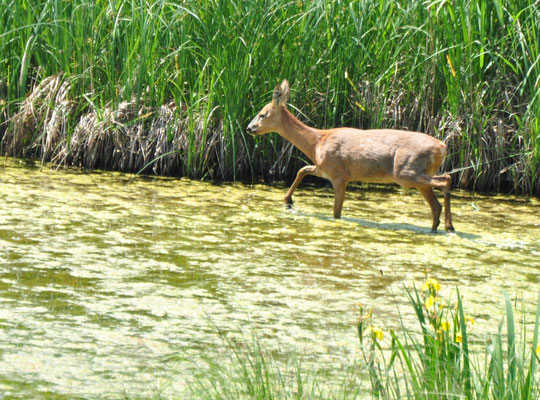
{"x":269,"y":118}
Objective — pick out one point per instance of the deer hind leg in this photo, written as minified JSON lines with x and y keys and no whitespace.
{"x":429,"y":196}
{"x":444,"y":183}
{"x":447,"y":211}
{"x":441,"y":182}
{"x":302,"y":173}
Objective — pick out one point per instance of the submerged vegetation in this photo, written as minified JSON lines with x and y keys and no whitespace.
{"x":168,"y":87}
{"x":443,"y":361}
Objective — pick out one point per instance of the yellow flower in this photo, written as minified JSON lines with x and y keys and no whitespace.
{"x":377,"y":333}
{"x":431,"y":283}
{"x":538,"y":351}
{"x":459,"y":338}
{"x":430,"y":301}
{"x":445,"y":325}
{"x":470,"y":319}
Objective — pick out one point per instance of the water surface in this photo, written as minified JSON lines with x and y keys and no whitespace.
{"x":113,"y":286}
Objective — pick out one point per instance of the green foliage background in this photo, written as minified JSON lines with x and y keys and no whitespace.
{"x":466,"y":71}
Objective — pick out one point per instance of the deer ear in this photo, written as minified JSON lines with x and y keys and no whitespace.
{"x":281,"y":94}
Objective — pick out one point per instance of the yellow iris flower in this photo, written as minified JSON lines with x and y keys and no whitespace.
{"x":377,"y":333}
{"x":431,"y":283}
{"x":445,"y":325}
{"x":430,"y":301}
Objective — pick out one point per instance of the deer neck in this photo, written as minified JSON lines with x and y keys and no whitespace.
{"x":299,"y":134}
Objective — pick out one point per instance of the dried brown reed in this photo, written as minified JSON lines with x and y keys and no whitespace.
{"x":105,"y":139}
{"x":129,"y":138}
{"x":46,"y":110}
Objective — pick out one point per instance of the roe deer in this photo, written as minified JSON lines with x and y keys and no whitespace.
{"x":342,"y":155}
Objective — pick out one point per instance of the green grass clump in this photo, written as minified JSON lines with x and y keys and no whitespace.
{"x":247,"y":371}
{"x":465,"y":71}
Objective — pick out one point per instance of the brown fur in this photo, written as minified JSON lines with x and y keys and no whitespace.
{"x":342,"y":155}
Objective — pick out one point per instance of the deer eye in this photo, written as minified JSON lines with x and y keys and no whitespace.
{"x":261,"y":116}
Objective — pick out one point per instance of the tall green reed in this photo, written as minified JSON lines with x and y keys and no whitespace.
{"x":464,"y":71}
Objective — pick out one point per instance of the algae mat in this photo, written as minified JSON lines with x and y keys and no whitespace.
{"x":113,"y":286}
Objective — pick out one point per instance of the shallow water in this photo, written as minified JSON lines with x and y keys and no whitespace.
{"x":110,"y":286}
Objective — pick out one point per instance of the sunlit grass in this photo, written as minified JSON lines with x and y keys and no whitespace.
{"x":465,"y":71}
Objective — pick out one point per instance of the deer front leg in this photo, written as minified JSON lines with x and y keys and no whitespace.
{"x":302,"y":173}
{"x":339,"y":195}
